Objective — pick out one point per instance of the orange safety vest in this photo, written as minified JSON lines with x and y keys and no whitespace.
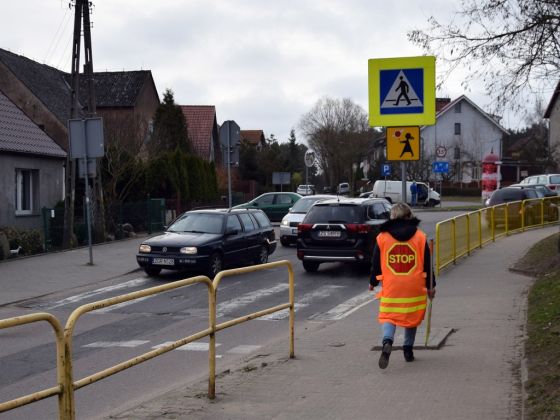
{"x":402,"y":300}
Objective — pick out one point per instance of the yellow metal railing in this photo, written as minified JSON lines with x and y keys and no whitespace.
{"x":66,"y":384}
{"x":458,"y":236}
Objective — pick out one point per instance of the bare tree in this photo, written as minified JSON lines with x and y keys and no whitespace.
{"x":338,"y":131}
{"x":512,"y":46}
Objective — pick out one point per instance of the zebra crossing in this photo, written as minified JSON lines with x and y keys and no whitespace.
{"x":225,"y":308}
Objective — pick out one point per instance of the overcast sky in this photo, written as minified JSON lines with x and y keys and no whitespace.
{"x":262,"y":63}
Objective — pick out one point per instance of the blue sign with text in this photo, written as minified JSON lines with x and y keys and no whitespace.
{"x":440,"y":167}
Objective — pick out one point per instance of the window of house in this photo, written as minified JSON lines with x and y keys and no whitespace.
{"x":458,"y":108}
{"x":25,"y":191}
{"x":457,"y":128}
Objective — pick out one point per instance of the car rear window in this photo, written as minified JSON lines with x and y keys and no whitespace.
{"x":508,"y":195}
{"x":261,"y":218}
{"x":334,"y":213}
{"x":555,"y":179}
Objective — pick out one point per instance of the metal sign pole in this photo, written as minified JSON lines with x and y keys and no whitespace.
{"x":86,"y":178}
{"x":403,"y":177}
{"x":229,"y":163}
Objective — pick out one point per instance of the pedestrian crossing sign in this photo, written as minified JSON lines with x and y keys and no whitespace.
{"x":402,"y":91}
{"x":403,"y":143}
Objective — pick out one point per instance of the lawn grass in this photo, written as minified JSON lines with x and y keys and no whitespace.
{"x":542,"y":348}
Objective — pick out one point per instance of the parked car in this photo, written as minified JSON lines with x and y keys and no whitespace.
{"x":274,"y":204}
{"x":306,"y":189}
{"x":552,"y":181}
{"x":343,"y":188}
{"x":341,"y":229}
{"x":290,"y":222}
{"x":208,"y":240}
{"x":542,"y":190}
{"x":530,"y":211}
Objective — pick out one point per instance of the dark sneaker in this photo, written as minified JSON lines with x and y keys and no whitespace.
{"x":385,"y":353}
{"x":408,"y":353}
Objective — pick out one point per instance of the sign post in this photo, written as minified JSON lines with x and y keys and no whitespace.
{"x":402,"y":97}
{"x":86,"y":143}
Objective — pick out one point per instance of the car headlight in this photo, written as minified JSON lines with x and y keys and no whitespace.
{"x":285,"y":222}
{"x":145,"y":248}
{"x":188,"y":250}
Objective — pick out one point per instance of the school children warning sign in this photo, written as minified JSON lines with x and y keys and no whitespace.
{"x":401,"y":259}
{"x":403,"y":143}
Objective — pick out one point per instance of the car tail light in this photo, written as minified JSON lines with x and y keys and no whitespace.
{"x":552,"y":187}
{"x":358,"y":228}
{"x":304,"y":227}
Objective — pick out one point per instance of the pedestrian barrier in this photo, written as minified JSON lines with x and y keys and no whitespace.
{"x":460,"y":235}
{"x":66,"y":383}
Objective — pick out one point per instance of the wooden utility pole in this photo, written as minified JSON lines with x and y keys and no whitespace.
{"x":81,"y":9}
{"x":70,"y":181}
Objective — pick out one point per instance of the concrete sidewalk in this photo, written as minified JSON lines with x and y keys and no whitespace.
{"x":61,"y":271}
{"x":477,"y":374}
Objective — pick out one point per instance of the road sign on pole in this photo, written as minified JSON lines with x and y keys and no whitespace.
{"x":386,"y":169}
{"x":403,"y":143}
{"x":440,"y":167}
{"x":402,"y":91}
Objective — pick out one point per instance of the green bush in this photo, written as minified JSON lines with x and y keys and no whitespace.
{"x":30,"y":240}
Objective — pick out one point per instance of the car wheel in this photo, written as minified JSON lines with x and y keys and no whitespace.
{"x":310,"y":266}
{"x":215,"y":265}
{"x":431,"y":203}
{"x":263,"y":255}
{"x":152,"y":271}
{"x":284,"y":241}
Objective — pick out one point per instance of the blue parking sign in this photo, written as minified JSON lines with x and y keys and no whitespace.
{"x":385,"y":169}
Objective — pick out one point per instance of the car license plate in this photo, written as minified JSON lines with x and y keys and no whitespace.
{"x":329,"y":233}
{"x":163,"y":261}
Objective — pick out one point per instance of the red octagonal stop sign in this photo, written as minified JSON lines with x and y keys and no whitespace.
{"x":401,"y":259}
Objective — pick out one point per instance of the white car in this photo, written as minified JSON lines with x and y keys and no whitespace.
{"x":306,"y":189}
{"x":290,"y":222}
{"x":343,"y":188}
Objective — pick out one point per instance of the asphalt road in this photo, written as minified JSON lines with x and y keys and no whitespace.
{"x":107,"y":337}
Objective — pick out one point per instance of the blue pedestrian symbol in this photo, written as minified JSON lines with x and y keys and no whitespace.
{"x":402,"y":91}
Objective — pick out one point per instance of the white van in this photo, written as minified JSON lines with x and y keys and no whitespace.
{"x":392,"y":191}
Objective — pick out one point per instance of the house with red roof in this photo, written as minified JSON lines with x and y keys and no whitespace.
{"x":202,"y":129}
{"x":254,"y":138}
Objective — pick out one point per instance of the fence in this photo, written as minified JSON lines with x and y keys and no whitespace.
{"x":66,"y":385}
{"x":460,"y":235}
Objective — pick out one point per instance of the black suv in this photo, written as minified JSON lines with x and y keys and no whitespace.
{"x":340,"y":230}
{"x":208,"y":240}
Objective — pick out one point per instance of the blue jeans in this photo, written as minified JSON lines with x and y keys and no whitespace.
{"x":389,"y":333}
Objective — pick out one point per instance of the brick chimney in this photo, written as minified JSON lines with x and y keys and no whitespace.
{"x":442,"y":103}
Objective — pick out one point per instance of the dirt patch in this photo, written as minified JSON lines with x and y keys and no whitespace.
{"x":542,"y":258}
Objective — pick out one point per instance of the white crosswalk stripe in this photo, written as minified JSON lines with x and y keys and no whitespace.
{"x":231,"y":305}
{"x":345,"y":308}
{"x":302,"y":302}
{"x":195,"y":346}
{"x":88,"y":295}
{"x":107,"y":344}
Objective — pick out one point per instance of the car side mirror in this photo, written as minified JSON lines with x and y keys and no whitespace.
{"x":256,"y":204}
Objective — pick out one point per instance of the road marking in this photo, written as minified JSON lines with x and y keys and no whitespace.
{"x":107,"y":344}
{"x":244,"y":349}
{"x":345,"y":308}
{"x":92,"y":293}
{"x":230,"y":305}
{"x":120,"y":305}
{"x":302,"y":302}
{"x":188,"y":346}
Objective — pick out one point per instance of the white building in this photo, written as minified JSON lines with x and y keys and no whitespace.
{"x":463,"y":135}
